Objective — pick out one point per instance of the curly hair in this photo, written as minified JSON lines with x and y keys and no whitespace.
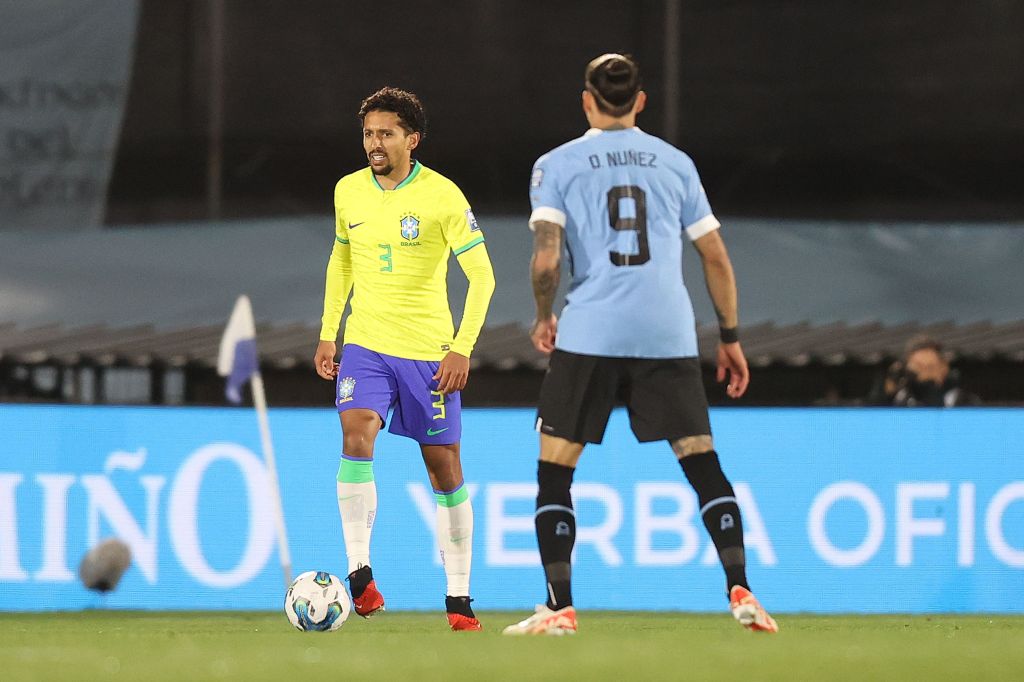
{"x":410,"y":112}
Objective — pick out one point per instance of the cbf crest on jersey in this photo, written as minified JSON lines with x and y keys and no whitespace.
{"x":410,"y":227}
{"x":346,"y":387}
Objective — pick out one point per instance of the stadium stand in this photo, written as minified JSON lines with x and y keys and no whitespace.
{"x":823,"y":306}
{"x":504,"y":354}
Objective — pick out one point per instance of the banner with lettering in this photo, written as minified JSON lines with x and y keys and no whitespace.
{"x":65,"y":66}
{"x":845,"y":510}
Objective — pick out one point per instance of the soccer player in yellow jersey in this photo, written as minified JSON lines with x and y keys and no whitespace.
{"x":397,"y":221}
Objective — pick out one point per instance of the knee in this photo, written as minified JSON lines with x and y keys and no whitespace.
{"x":560,"y":451}
{"x":692,"y":445}
{"x":358,"y":435}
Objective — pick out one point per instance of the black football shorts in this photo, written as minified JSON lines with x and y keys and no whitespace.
{"x":665,"y":397}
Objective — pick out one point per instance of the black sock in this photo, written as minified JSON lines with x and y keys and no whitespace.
{"x":459,"y":605}
{"x":720,"y":512}
{"x":555,"y":521}
{"x":358,"y":580}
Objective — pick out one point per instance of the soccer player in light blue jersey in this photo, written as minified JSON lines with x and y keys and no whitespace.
{"x":621,"y":201}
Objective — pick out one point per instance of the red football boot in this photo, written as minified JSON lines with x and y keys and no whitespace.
{"x":460,"y":614}
{"x":367,"y":600}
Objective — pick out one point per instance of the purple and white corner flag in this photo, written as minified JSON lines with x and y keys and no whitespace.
{"x":237,"y":360}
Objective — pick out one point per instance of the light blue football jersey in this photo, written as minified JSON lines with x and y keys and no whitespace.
{"x":625,"y":199}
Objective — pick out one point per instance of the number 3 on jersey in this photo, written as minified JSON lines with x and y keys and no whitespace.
{"x":637,"y":224}
{"x":385,"y":257}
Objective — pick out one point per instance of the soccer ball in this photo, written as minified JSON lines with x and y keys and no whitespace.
{"x":317,"y":602}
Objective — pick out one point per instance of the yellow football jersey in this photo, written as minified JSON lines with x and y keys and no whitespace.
{"x":393,"y":246}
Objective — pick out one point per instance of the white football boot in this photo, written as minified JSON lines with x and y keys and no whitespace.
{"x":749,"y":612}
{"x":544,"y":621}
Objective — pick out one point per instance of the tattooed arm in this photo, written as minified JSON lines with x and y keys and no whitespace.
{"x":544,"y":274}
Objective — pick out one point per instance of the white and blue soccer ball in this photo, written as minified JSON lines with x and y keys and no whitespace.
{"x":317,"y":602}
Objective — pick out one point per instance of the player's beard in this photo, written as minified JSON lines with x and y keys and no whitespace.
{"x":384,"y":170}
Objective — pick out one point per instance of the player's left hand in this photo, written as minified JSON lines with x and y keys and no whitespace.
{"x":453,"y":373}
{"x":732,"y":364}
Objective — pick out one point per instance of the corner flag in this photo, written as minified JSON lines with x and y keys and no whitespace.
{"x":237,"y":360}
{"x":239,"y":363}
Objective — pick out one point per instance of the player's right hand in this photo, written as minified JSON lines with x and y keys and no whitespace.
{"x":543,"y":332}
{"x":324,"y":362}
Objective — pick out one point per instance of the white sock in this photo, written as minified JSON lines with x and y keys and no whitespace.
{"x":357,"y":503}
{"x":455,"y":538}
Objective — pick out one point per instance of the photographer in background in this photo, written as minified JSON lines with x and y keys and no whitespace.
{"x":923,"y":378}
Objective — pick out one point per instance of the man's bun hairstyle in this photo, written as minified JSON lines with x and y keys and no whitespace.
{"x":614,"y":81}
{"x":407,"y":105}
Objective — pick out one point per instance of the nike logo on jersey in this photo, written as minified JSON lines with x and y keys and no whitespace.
{"x":432,"y":432}
{"x":353,"y":226}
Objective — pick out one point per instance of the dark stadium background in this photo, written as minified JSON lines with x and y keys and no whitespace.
{"x":817,"y":112}
{"x":830,"y":109}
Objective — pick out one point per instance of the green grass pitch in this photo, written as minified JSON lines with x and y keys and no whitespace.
{"x":112,"y":645}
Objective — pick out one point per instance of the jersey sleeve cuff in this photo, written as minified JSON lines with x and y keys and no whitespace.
{"x":462,"y":348}
{"x":469,"y":245}
{"x":705,"y":225}
{"x":547,"y":214}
